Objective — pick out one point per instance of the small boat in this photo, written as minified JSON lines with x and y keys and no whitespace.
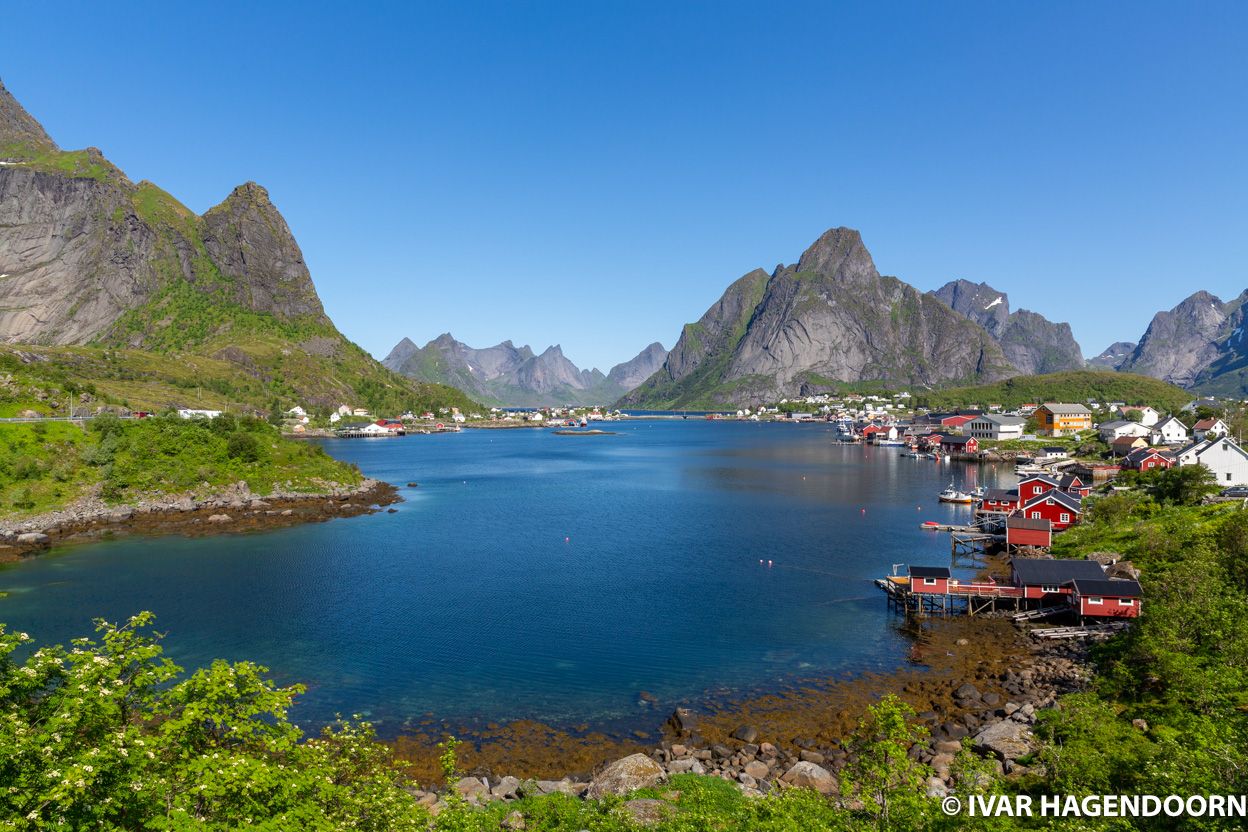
{"x":931,"y":525}
{"x":953,"y":495}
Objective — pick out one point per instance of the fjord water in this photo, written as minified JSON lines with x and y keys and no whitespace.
{"x":532,"y":575}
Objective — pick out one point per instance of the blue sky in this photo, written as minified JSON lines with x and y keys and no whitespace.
{"x":595,"y":174}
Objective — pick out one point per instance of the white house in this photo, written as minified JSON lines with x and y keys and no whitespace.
{"x":344,"y":410}
{"x":1227,"y":461}
{"x":1169,"y":431}
{"x":1119,"y":428}
{"x":360,"y":411}
{"x":190,"y":413}
{"x":1210,"y":429}
{"x":994,"y":426}
{"x":335,"y":417}
{"x":374,"y":429}
{"x":1149,"y":416}
{"x":297,"y":411}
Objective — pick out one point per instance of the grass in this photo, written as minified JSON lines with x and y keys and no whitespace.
{"x":44,"y":466}
{"x":1073,"y":386}
{"x":77,"y":164}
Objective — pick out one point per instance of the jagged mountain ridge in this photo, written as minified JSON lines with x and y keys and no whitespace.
{"x":1199,"y":344}
{"x":1114,"y":355}
{"x":512,"y":376}
{"x":1031,"y":343}
{"x":90,"y":258}
{"x":830,"y":319}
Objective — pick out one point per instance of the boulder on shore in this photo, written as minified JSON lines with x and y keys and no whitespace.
{"x":806,"y":775}
{"x":623,"y":776}
{"x":1006,"y":740}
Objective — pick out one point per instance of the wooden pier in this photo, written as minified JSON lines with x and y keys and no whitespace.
{"x":958,"y":597}
{"x":1082,"y":631}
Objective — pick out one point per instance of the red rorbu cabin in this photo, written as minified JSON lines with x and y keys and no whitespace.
{"x":1052,"y":580}
{"x":932,"y":580}
{"x":1027,"y":531}
{"x":1106,"y":598}
{"x":1034,"y":485}
{"x":998,"y":500}
{"x":1058,"y":507}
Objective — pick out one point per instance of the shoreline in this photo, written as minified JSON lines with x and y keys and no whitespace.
{"x":963,"y":676}
{"x":233,"y":509}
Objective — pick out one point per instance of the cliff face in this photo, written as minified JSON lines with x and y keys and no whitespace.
{"x":832,"y":318}
{"x":633,"y":372}
{"x":1198,"y":344}
{"x":88,"y":257}
{"x":1030,"y":342}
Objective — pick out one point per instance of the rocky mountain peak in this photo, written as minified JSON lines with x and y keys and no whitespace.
{"x":839,"y":253}
{"x":18,"y":127}
{"x":1031,"y":342}
{"x":633,"y":372}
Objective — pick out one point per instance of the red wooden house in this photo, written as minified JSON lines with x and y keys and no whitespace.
{"x":1058,"y":507}
{"x":933,"y":580}
{"x":996,"y":499}
{"x":1042,"y":579}
{"x":956,"y":421}
{"x":1073,"y":485}
{"x":1034,"y":485}
{"x":959,"y":444}
{"x":1026,"y":531}
{"x":1147,"y":459}
{"x":1105,"y":598}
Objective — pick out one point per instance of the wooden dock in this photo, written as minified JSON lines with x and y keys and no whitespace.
{"x":1083,"y":631}
{"x":959,"y":598}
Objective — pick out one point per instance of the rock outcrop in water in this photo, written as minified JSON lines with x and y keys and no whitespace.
{"x":1030,"y":342}
{"x":829,"y":319}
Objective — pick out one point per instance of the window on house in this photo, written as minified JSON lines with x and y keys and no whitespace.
{"x":1095,"y":600}
{"x":1126,"y":602}
{"x":1065,"y":517}
{"x":1228,"y":477}
{"x":929,"y":582}
{"x":1050,"y":588}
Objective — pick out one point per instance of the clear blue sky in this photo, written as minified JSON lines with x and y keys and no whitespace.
{"x":595,"y":174}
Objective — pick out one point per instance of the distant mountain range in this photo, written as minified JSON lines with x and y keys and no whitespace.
{"x":511,"y":376}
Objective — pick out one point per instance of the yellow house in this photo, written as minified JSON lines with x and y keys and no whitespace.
{"x":1062,"y":419}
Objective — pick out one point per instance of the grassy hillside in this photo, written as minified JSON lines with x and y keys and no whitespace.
{"x":240,"y":372}
{"x":1073,"y":386}
{"x":43,"y":466}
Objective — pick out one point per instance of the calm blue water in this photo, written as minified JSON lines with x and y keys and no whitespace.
{"x":540,"y":576}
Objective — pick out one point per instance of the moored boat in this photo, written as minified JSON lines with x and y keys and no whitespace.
{"x":953,"y":495}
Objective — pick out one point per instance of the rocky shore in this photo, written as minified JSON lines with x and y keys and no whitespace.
{"x":990,"y":695}
{"x":233,"y":509}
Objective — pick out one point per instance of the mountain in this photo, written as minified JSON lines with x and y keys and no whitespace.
{"x":1198,"y":344}
{"x":633,"y":372}
{"x":508,"y":376}
{"x":1031,"y":342}
{"x":831,"y":319}
{"x":92,"y":261}
{"x":1113,"y":356}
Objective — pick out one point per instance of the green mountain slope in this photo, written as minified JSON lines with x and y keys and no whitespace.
{"x":1073,"y":386}
{"x":97,"y":273}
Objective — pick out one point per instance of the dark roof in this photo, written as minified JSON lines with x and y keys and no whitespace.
{"x":1068,"y":500}
{"x":1104,"y":586}
{"x":929,"y":572}
{"x":1041,"y":477}
{"x":1068,"y":480}
{"x":1059,"y":448}
{"x":1038,"y":524}
{"x":1056,"y":572}
{"x":1000,"y":494}
{"x":955,"y":440}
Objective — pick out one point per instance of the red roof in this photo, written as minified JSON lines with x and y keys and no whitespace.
{"x":1204,"y":424}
